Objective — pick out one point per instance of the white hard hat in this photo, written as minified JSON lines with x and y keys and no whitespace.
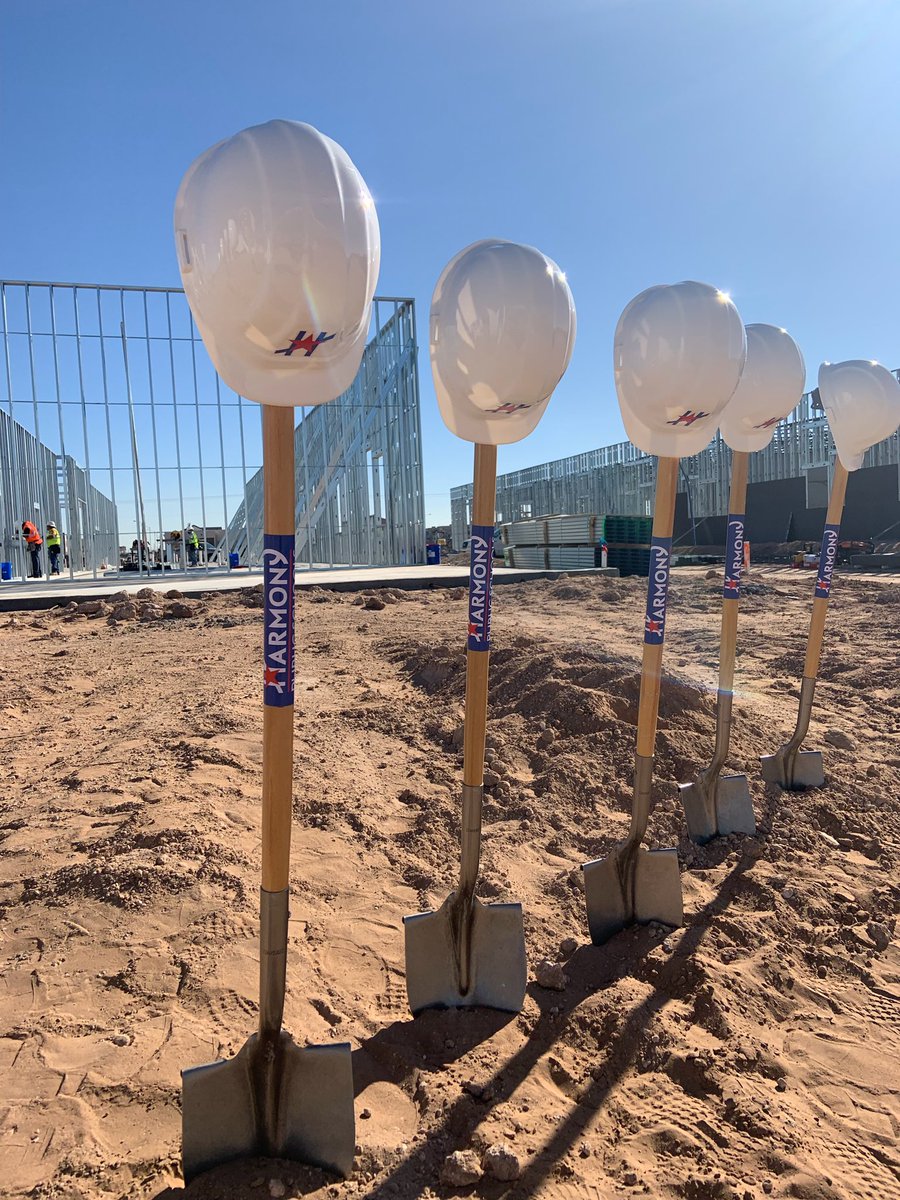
{"x":279,"y":249}
{"x":502,"y":333}
{"x":678,"y":354}
{"x":862,"y":403}
{"x":771,"y":385}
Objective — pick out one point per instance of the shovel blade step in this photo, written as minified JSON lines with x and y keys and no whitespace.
{"x":498,"y":971}
{"x":315,"y":1124}
{"x":656,"y":893}
{"x":809,"y":770}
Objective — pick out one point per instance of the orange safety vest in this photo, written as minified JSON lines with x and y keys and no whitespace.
{"x":31,"y":534}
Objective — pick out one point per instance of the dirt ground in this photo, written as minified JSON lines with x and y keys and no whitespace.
{"x":754,"y":1052}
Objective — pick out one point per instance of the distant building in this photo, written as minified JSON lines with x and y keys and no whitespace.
{"x":786,"y":497}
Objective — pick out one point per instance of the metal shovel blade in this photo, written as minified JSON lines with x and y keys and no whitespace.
{"x":223,"y":1107}
{"x":730,"y":810}
{"x":627,"y":888}
{"x":498,"y":969}
{"x":734,"y":805}
{"x":806,"y":771}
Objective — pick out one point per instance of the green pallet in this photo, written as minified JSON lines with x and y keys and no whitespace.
{"x":630,"y":560}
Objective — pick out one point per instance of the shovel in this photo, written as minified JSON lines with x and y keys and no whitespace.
{"x":273,"y":1098}
{"x":716,"y":804}
{"x":790,"y":767}
{"x":468,"y":953}
{"x":632,"y":884}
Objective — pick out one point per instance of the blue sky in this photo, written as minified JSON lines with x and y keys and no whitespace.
{"x":748,"y":143}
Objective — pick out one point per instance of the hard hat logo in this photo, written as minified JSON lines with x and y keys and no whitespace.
{"x":509,"y":408}
{"x":768,"y":424}
{"x":688,"y":418}
{"x":305,"y":341}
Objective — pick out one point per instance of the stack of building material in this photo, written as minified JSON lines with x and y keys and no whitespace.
{"x":571,"y":542}
{"x":628,"y":539}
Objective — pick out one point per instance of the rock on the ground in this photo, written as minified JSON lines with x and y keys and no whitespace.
{"x":88,"y":607}
{"x":549,"y":974}
{"x":837,"y":737}
{"x":833,"y":843}
{"x":880,"y":934}
{"x":461,"y":1169}
{"x":181,"y":610}
{"x":501,"y":1162}
{"x":567,"y":947}
{"x":374,"y":602}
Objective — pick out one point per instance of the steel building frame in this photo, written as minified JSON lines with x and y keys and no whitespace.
{"x":620,"y":478}
{"x":360,"y":496}
{"x":116,"y":421}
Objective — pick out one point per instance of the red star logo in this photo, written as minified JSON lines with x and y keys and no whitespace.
{"x":824,"y":584}
{"x":272,"y":676}
{"x":653,"y":626}
{"x":473,"y":628}
{"x":732,"y":584}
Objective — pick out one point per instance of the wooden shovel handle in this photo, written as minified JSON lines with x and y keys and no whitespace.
{"x":651,"y":664}
{"x":278,"y":723}
{"x":820,"y":603}
{"x":477,"y":661}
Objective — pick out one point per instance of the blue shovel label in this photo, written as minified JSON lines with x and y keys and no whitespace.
{"x":482,"y":548}
{"x":827,"y":559}
{"x":278,"y":637}
{"x":657,"y":591}
{"x":734,"y":556}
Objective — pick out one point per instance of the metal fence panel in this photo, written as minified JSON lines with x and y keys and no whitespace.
{"x":115,"y":425}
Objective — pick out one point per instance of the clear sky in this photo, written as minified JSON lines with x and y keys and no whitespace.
{"x":748,"y":143}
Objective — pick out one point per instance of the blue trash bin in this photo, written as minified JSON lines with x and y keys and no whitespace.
{"x":234,"y":559}
{"x":5,"y":571}
{"x":432,"y":554}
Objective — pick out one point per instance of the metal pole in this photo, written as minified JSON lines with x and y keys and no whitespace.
{"x":112,"y":469}
{"x":305,"y":452}
{"x":17,"y":501}
{"x":177,"y":435}
{"x":224,"y":484}
{"x":249,"y":562}
{"x":39,"y":464}
{"x":162,"y":542}
{"x":199,"y":440}
{"x":89,"y":499}
{"x":138,"y":492}
{"x":62,"y":439}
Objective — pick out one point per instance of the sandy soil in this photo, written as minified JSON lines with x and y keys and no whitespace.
{"x":754,"y":1052}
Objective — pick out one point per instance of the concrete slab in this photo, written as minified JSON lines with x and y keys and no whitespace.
{"x":17,"y":597}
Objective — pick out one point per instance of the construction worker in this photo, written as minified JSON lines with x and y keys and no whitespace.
{"x":54,"y":547}
{"x":193,"y":545}
{"x":34,"y":541}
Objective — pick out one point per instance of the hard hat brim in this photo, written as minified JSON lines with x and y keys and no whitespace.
{"x":311,"y":383}
{"x":665,"y":443}
{"x":486,"y":429}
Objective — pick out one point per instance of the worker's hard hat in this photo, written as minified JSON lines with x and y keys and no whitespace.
{"x":502,"y":333}
{"x":678,"y":353}
{"x":771,"y":385}
{"x":862,"y":402}
{"x":279,"y":249}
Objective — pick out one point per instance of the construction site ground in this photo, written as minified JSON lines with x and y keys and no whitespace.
{"x":755,"y":1052}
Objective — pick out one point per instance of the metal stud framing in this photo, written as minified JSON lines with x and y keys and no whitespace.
{"x":620,"y":478}
{"x":114,"y":424}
